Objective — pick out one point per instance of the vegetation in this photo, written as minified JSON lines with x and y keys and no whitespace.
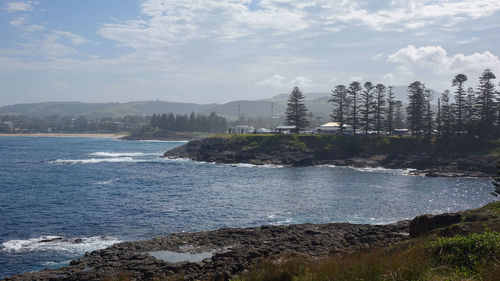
{"x":69,"y":124}
{"x":296,"y":111}
{"x":184,"y":123}
{"x":370,"y":145}
{"x":156,"y":124}
{"x":473,"y":112}
{"x":470,"y":257}
{"x":474,"y":255}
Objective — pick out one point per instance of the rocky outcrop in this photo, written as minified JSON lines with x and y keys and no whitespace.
{"x":234,"y":250}
{"x":223,"y":150}
{"x":424,"y":224}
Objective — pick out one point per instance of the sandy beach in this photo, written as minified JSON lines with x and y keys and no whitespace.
{"x":64,"y":135}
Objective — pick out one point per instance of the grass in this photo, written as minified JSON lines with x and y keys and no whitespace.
{"x":471,"y":257}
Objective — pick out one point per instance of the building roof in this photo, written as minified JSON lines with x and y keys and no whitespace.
{"x":333,"y":124}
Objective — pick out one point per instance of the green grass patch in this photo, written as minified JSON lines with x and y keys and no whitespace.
{"x":471,"y":257}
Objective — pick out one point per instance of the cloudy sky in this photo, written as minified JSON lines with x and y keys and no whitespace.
{"x":215,"y":51}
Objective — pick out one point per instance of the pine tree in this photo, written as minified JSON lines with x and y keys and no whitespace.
{"x":486,"y":102}
{"x":296,"y":112}
{"x":353,"y":92}
{"x":459,"y":81}
{"x":469,"y":107}
{"x":398,"y":115}
{"x":379,"y":106}
{"x":438,"y":118}
{"x":390,"y":110}
{"x":446,"y":117}
{"x":416,"y":108}
{"x":340,"y":102}
{"x":367,"y":106}
{"x":428,"y":115}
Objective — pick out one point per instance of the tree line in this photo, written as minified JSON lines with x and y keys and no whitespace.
{"x":370,"y":107}
{"x":192,"y":123}
{"x":132,"y":123}
{"x":70,"y":124}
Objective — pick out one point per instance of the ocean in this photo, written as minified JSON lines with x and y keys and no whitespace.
{"x":62,"y":197}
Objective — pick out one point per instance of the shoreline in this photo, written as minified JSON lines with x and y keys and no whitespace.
{"x":224,"y":254}
{"x":287,"y":151}
{"x":68,"y":135}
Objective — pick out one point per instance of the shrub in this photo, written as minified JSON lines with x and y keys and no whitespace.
{"x":468,"y":251}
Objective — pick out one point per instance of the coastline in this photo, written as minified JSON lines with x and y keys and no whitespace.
{"x":286,"y":151}
{"x":67,"y":135}
{"x":225,"y":254}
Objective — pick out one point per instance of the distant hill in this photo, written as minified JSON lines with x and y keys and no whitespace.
{"x":95,"y":110}
{"x":317,"y":103}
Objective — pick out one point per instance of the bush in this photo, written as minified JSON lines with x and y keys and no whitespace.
{"x":468,"y":251}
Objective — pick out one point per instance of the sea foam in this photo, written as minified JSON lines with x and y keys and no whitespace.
{"x":58,"y":244}
{"x":118,"y":154}
{"x":94,"y":160}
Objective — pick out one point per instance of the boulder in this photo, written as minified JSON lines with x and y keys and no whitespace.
{"x":423,"y":224}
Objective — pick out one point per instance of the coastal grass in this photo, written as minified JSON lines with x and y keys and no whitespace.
{"x":470,"y":257}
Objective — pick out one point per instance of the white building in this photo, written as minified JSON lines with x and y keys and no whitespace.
{"x":332,"y":128}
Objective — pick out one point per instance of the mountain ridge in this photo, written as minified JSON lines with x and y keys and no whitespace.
{"x":316,"y":102}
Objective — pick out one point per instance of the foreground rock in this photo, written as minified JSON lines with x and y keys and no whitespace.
{"x":224,"y":150}
{"x":233,"y":251}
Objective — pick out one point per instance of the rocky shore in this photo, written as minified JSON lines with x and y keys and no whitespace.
{"x":225,"y":254}
{"x":223,"y":150}
{"x":230,"y":251}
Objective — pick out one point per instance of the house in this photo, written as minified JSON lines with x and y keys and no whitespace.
{"x":242,"y":129}
{"x":332,"y":128}
{"x":286,"y":129}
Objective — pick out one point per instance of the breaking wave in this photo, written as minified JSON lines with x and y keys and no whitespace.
{"x":94,"y":160}
{"x":59,"y":244}
{"x":247,"y":165}
{"x":118,"y":154}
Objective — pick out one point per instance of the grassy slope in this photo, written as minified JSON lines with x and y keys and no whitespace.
{"x":473,"y":255}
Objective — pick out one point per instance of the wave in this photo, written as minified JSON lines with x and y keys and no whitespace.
{"x":248,"y":165}
{"x":94,"y":160}
{"x":106,"y":182}
{"x":119,"y":154}
{"x":59,"y":244}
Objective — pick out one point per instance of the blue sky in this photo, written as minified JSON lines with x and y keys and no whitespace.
{"x":216,"y":51}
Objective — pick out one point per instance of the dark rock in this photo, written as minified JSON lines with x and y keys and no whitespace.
{"x":235,"y":251}
{"x":222,"y":150}
{"x":425,"y":223}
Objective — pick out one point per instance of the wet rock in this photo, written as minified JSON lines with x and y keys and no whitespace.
{"x":235,"y":250}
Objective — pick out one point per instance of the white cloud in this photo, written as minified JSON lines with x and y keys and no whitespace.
{"x":279,"y":81}
{"x":301,"y":81}
{"x":19,"y":6}
{"x":355,"y":78}
{"x":276,"y":81}
{"x":378,"y":56}
{"x":167,"y":23}
{"x":388,"y":78}
{"x":437,"y":60}
{"x":74,"y":38}
{"x":18,"y":22}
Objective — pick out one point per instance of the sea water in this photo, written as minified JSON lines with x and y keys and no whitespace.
{"x":62,"y":197}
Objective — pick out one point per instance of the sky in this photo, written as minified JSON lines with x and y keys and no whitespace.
{"x":208,"y":51}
